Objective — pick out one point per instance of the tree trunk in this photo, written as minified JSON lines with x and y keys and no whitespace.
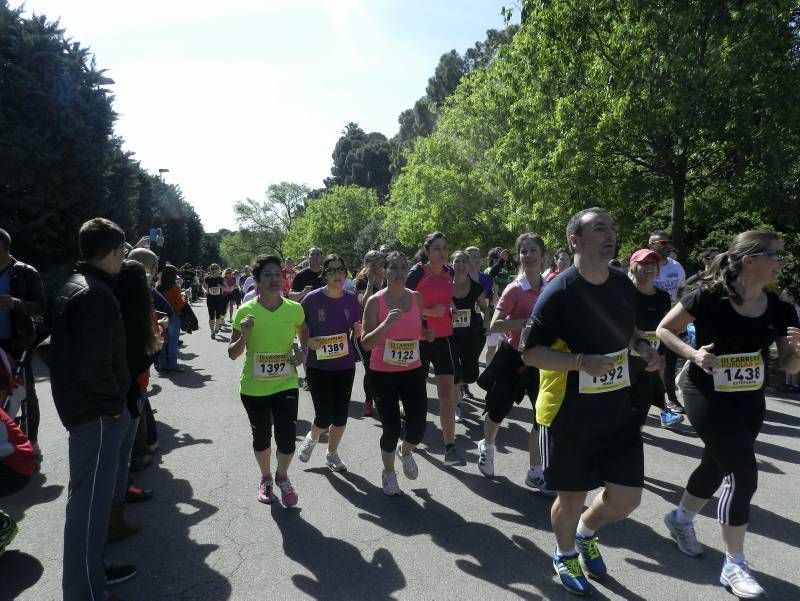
{"x":678,"y":208}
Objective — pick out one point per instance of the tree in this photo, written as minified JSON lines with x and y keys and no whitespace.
{"x":342,"y":221}
{"x":668,"y":115}
{"x":60,"y":163}
{"x":264,"y":224}
{"x":448,"y":73}
{"x":361,"y":159}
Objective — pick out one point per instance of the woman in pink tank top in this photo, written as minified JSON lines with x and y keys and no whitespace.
{"x":392,"y":331}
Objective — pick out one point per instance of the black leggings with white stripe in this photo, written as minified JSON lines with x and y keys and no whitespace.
{"x":729,"y":430}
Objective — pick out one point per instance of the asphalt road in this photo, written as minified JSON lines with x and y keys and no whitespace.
{"x":453,"y":535}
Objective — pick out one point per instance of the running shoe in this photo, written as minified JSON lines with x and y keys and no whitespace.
{"x":738,"y":580}
{"x":486,"y":458}
{"x":288,"y":493}
{"x":674,"y":406}
{"x":8,"y":530}
{"x":410,"y":469}
{"x":536,"y":482}
{"x":367,"y":409}
{"x":389,"y":482}
{"x":306,"y":448}
{"x":333,"y":461}
{"x":136,"y":494}
{"x":591,"y":560}
{"x":683,"y":534}
{"x":458,"y":414}
{"x":265,"y":494}
{"x":568,"y":568}
{"x":466,"y":393}
{"x":670,"y":419}
{"x":453,"y":457}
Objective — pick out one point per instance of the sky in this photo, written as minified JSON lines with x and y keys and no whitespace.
{"x":234,"y":96}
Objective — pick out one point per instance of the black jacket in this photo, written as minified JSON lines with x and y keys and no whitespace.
{"x":26,"y":285}
{"x":88,"y":368}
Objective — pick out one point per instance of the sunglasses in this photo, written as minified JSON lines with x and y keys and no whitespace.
{"x":335,"y":270}
{"x":663,"y":242}
{"x":778,"y":255}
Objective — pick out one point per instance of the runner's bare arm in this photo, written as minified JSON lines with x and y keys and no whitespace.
{"x":676,"y":321}
{"x":789,"y":350}
{"x":544,"y":357}
{"x":501,"y":323}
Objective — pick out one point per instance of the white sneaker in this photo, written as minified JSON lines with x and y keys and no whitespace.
{"x":306,"y":447}
{"x":683,"y":534}
{"x":458,"y":414}
{"x":739,"y":581}
{"x":389,"y":481}
{"x":335,"y":463}
{"x":410,"y":469}
{"x":486,"y":458}
{"x":536,"y":482}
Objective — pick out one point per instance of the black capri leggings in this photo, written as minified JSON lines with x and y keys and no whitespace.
{"x":278,"y":410}
{"x":217,"y":305}
{"x":729,"y":429}
{"x":330,"y":391}
{"x":407,"y":387}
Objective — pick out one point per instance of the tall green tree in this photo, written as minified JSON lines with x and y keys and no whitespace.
{"x":361,"y":159}
{"x":343,"y":220}
{"x":670,"y":115}
{"x":264,"y":224}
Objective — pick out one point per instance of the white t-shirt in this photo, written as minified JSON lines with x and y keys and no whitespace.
{"x":671,"y":278}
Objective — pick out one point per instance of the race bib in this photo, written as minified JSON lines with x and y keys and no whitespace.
{"x":271,"y":366}
{"x":652,"y":340}
{"x":401,"y":353}
{"x":462,"y":318}
{"x":735,"y":373}
{"x":215,"y":291}
{"x":617,"y":377}
{"x":332,"y":347}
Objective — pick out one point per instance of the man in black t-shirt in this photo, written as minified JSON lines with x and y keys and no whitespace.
{"x":582,"y":327}
{"x":310,"y":278}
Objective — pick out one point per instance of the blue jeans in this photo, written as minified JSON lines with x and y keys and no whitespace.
{"x":168,"y":356}
{"x":123,"y":469}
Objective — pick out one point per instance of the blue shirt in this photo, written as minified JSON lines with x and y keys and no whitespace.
{"x":487,"y":282}
{"x":5,"y":314}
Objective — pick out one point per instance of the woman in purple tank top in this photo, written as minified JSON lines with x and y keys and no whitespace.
{"x":392,"y":332}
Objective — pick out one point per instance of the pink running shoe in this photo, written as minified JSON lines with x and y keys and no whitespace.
{"x":265,"y":494}
{"x":288,"y":493}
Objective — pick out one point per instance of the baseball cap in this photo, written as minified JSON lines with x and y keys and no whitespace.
{"x":643,"y":255}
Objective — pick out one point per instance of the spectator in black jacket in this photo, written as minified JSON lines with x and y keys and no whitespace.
{"x":89,"y":379}
{"x":21,"y":300}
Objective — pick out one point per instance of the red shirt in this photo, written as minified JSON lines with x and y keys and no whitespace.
{"x":22,"y":460}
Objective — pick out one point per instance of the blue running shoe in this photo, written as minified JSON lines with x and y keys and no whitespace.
{"x":669,"y":419}
{"x":569,"y":570}
{"x":591,"y":559}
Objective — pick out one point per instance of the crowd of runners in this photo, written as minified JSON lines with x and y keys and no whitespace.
{"x":593,"y":342}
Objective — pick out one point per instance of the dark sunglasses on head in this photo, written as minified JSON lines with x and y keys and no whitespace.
{"x":778,"y":255}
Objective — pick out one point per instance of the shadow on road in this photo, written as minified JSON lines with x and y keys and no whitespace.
{"x":493,"y":557}
{"x":27,"y":571}
{"x":339,"y":569}
{"x":171,"y":565}
{"x":35,"y":493}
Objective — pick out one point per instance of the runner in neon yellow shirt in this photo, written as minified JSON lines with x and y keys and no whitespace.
{"x":264,"y":329}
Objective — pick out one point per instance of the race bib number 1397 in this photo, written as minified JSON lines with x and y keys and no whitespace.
{"x":271,"y":366}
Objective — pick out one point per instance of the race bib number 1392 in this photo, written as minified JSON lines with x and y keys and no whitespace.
{"x":617,"y":377}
